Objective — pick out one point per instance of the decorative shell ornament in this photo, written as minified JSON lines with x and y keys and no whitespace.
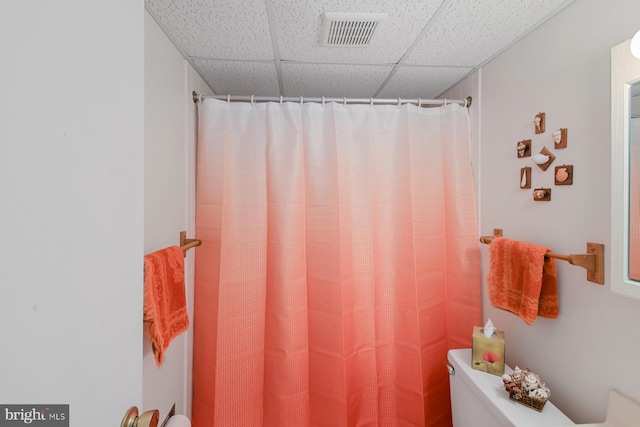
{"x":526,"y":388}
{"x":530,"y":382}
{"x":521,"y":148}
{"x":562,"y":174}
{"x":539,"y":194}
{"x":539,"y":393}
{"x":516,"y":375}
{"x":540,"y":159}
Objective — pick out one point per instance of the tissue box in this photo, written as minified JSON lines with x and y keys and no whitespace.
{"x":487,"y":354}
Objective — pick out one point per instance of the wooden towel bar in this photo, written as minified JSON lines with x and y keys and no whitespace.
{"x":592,"y":261}
{"x":186,"y":244}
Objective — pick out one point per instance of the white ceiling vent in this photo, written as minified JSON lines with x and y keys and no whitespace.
{"x":350,"y":29}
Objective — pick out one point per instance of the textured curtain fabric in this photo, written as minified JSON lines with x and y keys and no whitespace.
{"x":340,"y":262}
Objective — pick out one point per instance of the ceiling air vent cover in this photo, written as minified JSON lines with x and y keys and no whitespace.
{"x":350,"y":29}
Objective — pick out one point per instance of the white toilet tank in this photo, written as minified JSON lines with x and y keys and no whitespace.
{"x":479,"y":399}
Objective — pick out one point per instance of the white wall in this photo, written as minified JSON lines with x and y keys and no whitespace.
{"x":71,"y":206}
{"x":562,"y":69}
{"x":169,"y":199}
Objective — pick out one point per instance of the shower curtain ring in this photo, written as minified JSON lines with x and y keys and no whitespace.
{"x":323,"y":101}
{"x":280,"y":99}
{"x":252,"y":101}
{"x":200,"y":98}
{"x":419,"y":102}
{"x":371,"y":101}
{"x":399,"y":102}
{"x":445,"y":102}
{"x":301,"y":101}
{"x":344,"y":101}
{"x":228,"y":98}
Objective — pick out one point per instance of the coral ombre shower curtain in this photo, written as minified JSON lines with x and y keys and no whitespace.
{"x":634,"y":198}
{"x":340,"y":263}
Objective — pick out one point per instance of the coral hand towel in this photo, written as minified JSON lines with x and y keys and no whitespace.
{"x":521,"y":280}
{"x":165,"y":303}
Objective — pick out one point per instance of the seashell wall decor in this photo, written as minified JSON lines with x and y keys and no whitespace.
{"x":539,"y":123}
{"x":542,"y":194}
{"x":544,"y":158}
{"x":523,"y":148}
{"x":564,"y":175}
{"x":525,"y":177}
{"x":559,"y":138}
{"x":540,"y":159}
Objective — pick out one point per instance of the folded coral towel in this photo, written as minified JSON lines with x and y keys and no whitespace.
{"x":522,"y":280}
{"x":165,"y":304}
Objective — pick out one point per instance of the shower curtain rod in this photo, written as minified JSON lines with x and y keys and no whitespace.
{"x":252,"y":99}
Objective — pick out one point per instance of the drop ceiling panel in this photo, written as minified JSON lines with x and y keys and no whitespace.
{"x":357,"y":81}
{"x":272,"y":47}
{"x":470,"y":32}
{"x":239,"y":78}
{"x":298,"y":25}
{"x":422,"y":82}
{"x":223,"y":29}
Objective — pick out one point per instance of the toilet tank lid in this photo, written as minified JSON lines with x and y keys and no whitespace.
{"x":490,"y":390}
